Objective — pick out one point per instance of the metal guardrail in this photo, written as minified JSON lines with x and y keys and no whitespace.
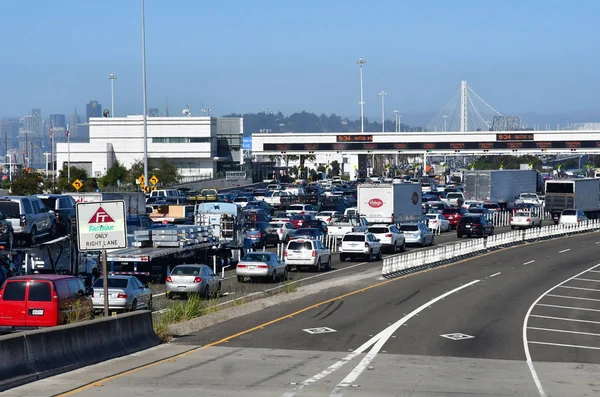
{"x":397,"y":265}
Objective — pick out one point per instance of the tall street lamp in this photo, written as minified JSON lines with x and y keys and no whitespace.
{"x":383,"y":94}
{"x":361,"y":62}
{"x":112,"y":79}
{"x":144,"y":95}
{"x":396,"y":111}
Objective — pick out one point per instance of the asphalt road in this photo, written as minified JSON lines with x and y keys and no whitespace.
{"x":463,"y":329}
{"x":232,"y":289}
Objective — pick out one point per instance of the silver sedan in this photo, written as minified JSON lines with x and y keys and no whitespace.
{"x":125,"y":293}
{"x":266,"y":265}
{"x":193,"y":279}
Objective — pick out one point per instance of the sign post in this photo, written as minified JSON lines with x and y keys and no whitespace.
{"x":102,"y":226}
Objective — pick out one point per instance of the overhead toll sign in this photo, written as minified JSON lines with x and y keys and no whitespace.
{"x":101,"y":225}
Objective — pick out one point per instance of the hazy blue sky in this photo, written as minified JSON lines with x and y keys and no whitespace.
{"x":247,"y":56}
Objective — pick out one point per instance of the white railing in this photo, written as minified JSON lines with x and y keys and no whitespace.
{"x":397,"y":265}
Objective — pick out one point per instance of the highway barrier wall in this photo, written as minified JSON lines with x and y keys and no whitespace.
{"x":33,"y":355}
{"x":398,"y":265}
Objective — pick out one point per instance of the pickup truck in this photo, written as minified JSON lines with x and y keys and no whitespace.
{"x":525,"y":220}
{"x":274,"y":198}
{"x":529,"y":198}
{"x":342,"y":225}
{"x":454,"y":199}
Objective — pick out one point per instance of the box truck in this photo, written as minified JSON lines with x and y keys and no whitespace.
{"x":393,"y":203}
{"x":582,"y":194}
{"x":500,"y":186}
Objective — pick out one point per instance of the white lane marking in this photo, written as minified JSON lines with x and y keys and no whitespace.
{"x":573,"y":297}
{"x":597,"y":242}
{"x":157,"y":295}
{"x":587,"y":279}
{"x":569,"y":307}
{"x":335,"y":366}
{"x":534,"y":374}
{"x":564,"y":345}
{"x":527,"y":263}
{"x":584,"y":289}
{"x":563,"y":251}
{"x":564,"y":331}
{"x":565,"y":319}
{"x":495,"y":274}
{"x":595,"y":271}
{"x":388,"y":332}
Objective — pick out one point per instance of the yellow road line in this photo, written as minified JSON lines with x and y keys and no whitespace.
{"x":99,"y":382}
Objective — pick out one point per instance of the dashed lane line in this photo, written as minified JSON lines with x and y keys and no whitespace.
{"x":564,"y":345}
{"x":569,"y":307}
{"x":573,"y":297}
{"x":579,"y":288}
{"x":565,"y":319}
{"x":565,"y":250}
{"x":496,"y":274}
{"x":564,"y":331}
{"x":530,"y":262}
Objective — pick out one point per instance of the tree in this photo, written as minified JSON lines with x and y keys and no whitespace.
{"x":63,"y":184}
{"x":165,"y":171}
{"x":26,"y":183}
{"x":334,"y":167}
{"x":117,"y":172}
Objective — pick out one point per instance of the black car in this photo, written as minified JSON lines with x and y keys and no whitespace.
{"x":474,"y":225}
{"x":309,"y":233}
{"x":316,"y":224}
{"x":261,"y":234}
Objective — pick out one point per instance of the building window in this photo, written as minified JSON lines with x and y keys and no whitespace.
{"x":180,"y":140}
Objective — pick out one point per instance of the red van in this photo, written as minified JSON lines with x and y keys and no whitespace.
{"x":42,"y":300}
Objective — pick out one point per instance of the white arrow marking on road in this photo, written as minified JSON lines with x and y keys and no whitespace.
{"x":457,"y":336}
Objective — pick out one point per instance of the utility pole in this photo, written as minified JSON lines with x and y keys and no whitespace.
{"x":361,"y":62}
{"x":144,"y":95}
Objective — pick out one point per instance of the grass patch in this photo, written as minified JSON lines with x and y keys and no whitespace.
{"x":181,"y":311}
{"x":290,"y":286}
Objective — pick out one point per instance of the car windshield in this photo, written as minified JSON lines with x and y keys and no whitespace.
{"x":451,"y":210}
{"x":477,"y":210}
{"x":409,"y":228}
{"x":303,"y":245}
{"x":307,"y":231}
{"x":49,"y":202}
{"x":522,"y":214}
{"x":354,"y":237}
{"x":256,"y":257}
{"x":378,"y":230}
{"x":569,"y":212}
{"x":295,"y":208}
{"x":186,"y":271}
{"x":432,"y":216}
{"x":469,"y":219}
{"x":112,"y":283}
{"x":491,"y":206}
{"x":277,"y":225}
{"x":454,"y":195}
{"x":528,"y":196}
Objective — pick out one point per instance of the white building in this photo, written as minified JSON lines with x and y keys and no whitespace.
{"x":190,"y":143}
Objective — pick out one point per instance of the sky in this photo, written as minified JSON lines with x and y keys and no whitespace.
{"x":521,"y":56}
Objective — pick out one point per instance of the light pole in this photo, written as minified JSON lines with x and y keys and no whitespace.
{"x":47,"y":154}
{"x":361,"y":62}
{"x":445,"y":117}
{"x":397,"y":111}
{"x":383,"y":94}
{"x":144,"y":96}
{"x":112,"y":79}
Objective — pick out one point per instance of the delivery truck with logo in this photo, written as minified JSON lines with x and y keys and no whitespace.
{"x":390,"y":203}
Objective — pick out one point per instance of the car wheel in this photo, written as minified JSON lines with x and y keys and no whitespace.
{"x":169,"y":295}
{"x":492,"y":232}
{"x":329,"y":264}
{"x":133,"y":306}
{"x":403,"y":249}
{"x":370,"y":256}
{"x":342,"y":258}
{"x":149,"y":304}
{"x":206,"y":293}
{"x":33,"y":236}
{"x":240,"y":279}
{"x":395,"y":250}
{"x":52,"y":231}
{"x":218,"y":291}
{"x":319,"y":266}
{"x":274,"y":276}
{"x":512,"y":228}
{"x":379,"y":255}
{"x":423,"y":242}
{"x":458,"y":235}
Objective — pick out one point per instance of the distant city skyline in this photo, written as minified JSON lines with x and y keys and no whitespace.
{"x":510,"y":52}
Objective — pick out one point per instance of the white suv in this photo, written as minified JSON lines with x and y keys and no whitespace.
{"x":360,"y":244}
{"x":309,"y":253}
{"x":390,"y":237}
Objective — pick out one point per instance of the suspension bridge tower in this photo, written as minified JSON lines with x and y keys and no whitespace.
{"x":464,"y":105}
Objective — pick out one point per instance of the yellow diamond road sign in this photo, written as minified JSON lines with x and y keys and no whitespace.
{"x":147,"y":189}
{"x":141,"y":180}
{"x":154,"y":180}
{"x":77,"y":184}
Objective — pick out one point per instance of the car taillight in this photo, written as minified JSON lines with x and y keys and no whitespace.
{"x":241,"y":265}
{"x":388,"y":235}
{"x":197,"y":279}
{"x":301,"y":212}
{"x":511,"y":218}
{"x":314,"y":253}
{"x":169,"y":279}
{"x":328,"y":219}
{"x":23,"y":219}
{"x":122,"y":295}
{"x":56,"y":216}
{"x":352,"y":230}
{"x":578,"y":220}
{"x":263,"y":266}
{"x":284,"y":253}
{"x":259,"y":234}
{"x":477,"y":224}
{"x":528,"y":220}
{"x":366,"y":244}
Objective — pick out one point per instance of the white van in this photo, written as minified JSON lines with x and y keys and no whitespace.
{"x":167,"y":193}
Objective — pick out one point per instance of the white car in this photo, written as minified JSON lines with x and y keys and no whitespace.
{"x":285,"y":230}
{"x":243,"y":201}
{"x":352,"y":211}
{"x":302,"y":209}
{"x":468,"y":203}
{"x":327,"y":216}
{"x":417,"y":233}
{"x":390,"y":237}
{"x":437,"y":221}
{"x":359,"y":244}
{"x":307,"y":253}
{"x":572,"y":217}
{"x":524,"y":220}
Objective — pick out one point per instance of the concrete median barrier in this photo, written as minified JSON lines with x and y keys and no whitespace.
{"x":38,"y":354}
